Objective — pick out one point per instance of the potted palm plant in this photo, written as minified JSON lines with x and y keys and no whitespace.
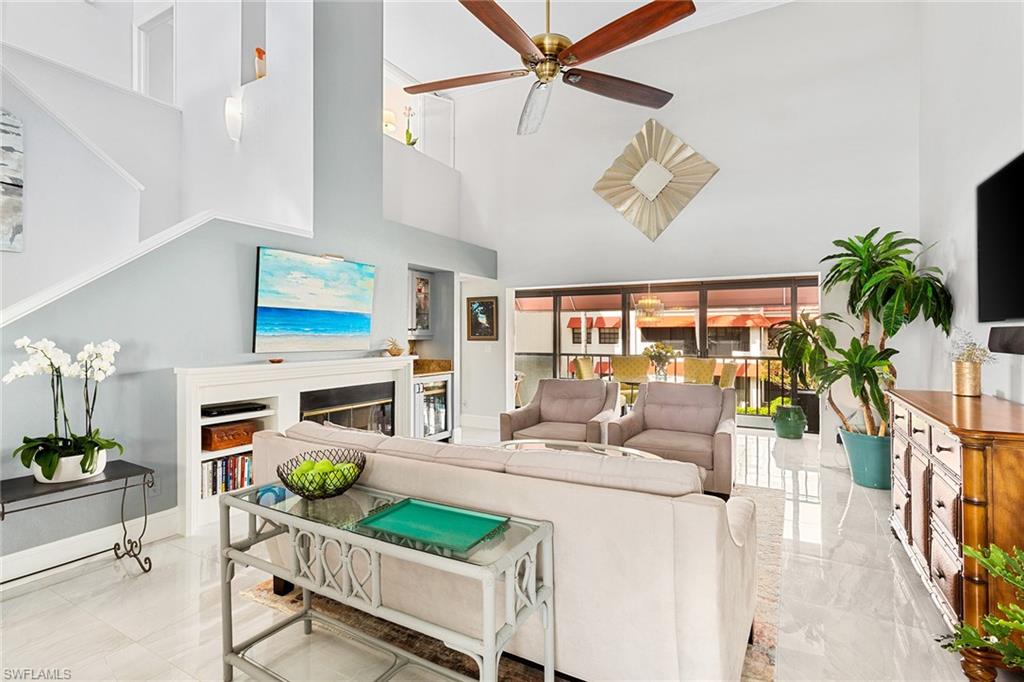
{"x":803,"y":345}
{"x":889,"y":287}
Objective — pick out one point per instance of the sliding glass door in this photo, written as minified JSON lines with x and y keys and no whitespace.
{"x":578,"y":331}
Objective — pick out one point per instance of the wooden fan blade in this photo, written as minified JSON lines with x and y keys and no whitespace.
{"x":502,"y":25}
{"x":462,"y":81}
{"x":627,"y":29}
{"x":617,"y":88}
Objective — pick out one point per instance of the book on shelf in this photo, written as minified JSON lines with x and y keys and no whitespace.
{"x":226,"y":474}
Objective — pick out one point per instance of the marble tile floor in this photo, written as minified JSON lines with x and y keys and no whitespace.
{"x":851,"y":606}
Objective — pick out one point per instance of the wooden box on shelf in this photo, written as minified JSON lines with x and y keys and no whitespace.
{"x":958,"y":479}
{"x":229,"y":435}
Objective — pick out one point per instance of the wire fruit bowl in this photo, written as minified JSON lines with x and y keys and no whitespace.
{"x":314,"y":484}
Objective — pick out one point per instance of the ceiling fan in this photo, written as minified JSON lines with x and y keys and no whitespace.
{"x":548,"y":54}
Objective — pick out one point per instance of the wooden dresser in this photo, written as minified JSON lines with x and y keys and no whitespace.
{"x":958,"y":478}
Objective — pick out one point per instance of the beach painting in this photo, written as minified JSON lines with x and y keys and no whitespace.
{"x":311,"y":303}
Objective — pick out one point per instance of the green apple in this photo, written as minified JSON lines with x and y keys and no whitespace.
{"x":306,"y":465}
{"x":323,"y":466}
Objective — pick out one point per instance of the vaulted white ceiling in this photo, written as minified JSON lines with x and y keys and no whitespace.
{"x":434,"y":39}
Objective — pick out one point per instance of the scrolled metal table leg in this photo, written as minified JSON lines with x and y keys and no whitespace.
{"x":132,"y":547}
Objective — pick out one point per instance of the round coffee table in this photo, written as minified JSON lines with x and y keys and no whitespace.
{"x":575,"y":446}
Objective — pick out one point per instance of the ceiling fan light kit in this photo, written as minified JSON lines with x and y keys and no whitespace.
{"x":654,"y":179}
{"x":549,"y":54}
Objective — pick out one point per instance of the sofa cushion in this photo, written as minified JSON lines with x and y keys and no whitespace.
{"x":678,"y":445}
{"x":471,"y":457}
{"x":554,"y":431}
{"x":682,"y":407}
{"x":570,"y":400}
{"x":653,"y":476}
{"x":337,"y":436}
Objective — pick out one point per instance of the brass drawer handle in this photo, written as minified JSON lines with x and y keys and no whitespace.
{"x":939,"y":574}
{"x":917,"y":430}
{"x":943,"y":448}
{"x":939,"y":504}
{"x":900,"y":416}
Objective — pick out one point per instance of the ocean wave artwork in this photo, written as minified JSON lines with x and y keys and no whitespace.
{"x":312,"y":303}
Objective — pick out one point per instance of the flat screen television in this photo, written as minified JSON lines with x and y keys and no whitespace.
{"x":1000,"y":238}
{"x":311,"y":303}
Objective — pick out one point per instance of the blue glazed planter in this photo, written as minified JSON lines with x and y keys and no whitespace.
{"x":870,"y":463}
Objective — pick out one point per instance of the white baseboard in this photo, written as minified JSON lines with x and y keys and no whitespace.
{"x":479,"y":421}
{"x":161,"y":525}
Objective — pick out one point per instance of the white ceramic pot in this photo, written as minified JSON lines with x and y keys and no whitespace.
{"x":70,"y":469}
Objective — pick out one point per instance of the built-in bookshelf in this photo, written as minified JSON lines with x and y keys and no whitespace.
{"x":212,"y":472}
{"x":276,"y":389}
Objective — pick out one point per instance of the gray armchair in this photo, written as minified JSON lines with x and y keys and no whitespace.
{"x":565,"y":409}
{"x":686,"y":422}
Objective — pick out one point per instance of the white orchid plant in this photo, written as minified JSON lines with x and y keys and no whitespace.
{"x":93,"y":364}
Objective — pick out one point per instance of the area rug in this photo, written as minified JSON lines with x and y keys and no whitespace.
{"x":760,"y":660}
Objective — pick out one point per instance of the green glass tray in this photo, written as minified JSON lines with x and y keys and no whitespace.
{"x":435,"y":526}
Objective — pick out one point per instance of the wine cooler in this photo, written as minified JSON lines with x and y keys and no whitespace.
{"x":432,"y":397}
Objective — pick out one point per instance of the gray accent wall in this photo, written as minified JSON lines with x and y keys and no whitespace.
{"x":190,"y":302}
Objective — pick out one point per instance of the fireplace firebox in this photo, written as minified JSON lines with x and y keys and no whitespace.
{"x":369,"y":407}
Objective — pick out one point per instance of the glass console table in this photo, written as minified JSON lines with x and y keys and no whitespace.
{"x":331,"y":558}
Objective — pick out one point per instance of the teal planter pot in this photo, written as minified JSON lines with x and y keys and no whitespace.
{"x":870,"y":463}
{"x":790,"y":421}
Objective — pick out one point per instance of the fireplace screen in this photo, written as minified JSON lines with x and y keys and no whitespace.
{"x":369,"y":407}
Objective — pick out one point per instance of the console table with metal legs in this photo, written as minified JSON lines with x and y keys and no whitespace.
{"x":327,"y":556}
{"x":22,"y":493}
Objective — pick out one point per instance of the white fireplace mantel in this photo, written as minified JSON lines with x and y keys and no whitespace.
{"x":278,"y":386}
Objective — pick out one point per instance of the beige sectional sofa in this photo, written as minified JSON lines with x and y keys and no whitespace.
{"x":653,"y":579}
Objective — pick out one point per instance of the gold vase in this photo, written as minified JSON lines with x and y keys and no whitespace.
{"x":966,"y":379}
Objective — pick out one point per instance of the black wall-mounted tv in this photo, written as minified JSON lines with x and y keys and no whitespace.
{"x":1001,"y":244}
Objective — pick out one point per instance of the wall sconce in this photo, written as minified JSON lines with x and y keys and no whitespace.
{"x":390,"y":121}
{"x":233,"y":117}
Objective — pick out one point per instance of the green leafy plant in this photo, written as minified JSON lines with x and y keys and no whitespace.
{"x":93,"y":364}
{"x":885,"y":284}
{"x":660,"y":354}
{"x":867,"y":368}
{"x":998,"y":629}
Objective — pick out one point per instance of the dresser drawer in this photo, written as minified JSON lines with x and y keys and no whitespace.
{"x":901,"y":507}
{"x":946,"y":449}
{"x":945,"y":502}
{"x":900,"y":418}
{"x":920,"y":471}
{"x":921,"y":431}
{"x":945,"y":575}
{"x":901,"y":460}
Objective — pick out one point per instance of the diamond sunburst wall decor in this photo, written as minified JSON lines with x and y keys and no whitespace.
{"x":654,"y":179}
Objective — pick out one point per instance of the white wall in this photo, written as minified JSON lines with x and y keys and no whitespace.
{"x":809,"y":109}
{"x":972,"y":123}
{"x":420,"y":191}
{"x":66,"y":228}
{"x":267,"y":177}
{"x":95,"y":37}
{"x":140,"y":133}
{"x":486,"y":365}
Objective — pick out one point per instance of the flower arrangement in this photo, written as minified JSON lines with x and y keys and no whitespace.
{"x":964,"y":348}
{"x":409,"y":139}
{"x":93,"y":364}
{"x":660,"y":354}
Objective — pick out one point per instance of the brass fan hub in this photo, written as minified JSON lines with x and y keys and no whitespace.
{"x":550,"y":44}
